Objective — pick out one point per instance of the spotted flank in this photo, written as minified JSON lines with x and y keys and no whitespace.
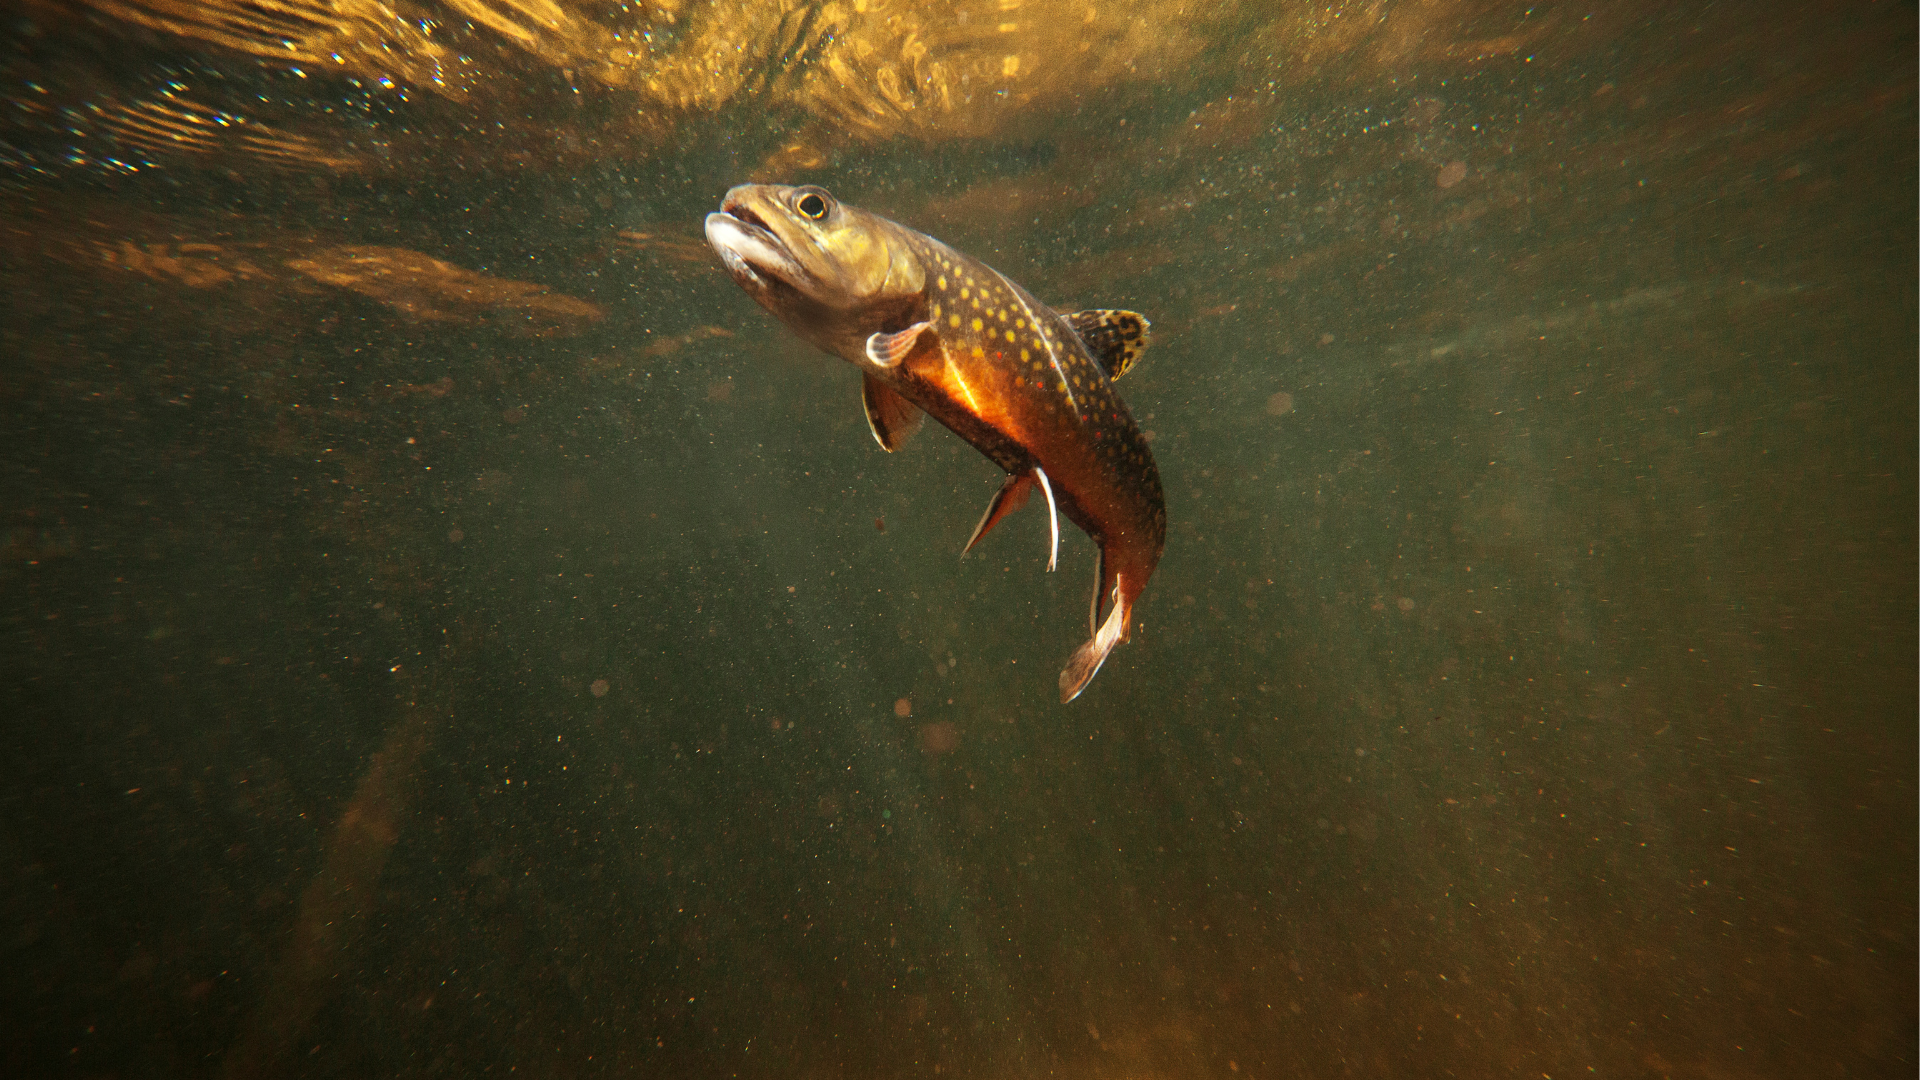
{"x":1115,"y":338}
{"x":939,"y":333}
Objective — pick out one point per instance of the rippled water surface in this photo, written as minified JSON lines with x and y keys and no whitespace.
{"x":446,"y":627}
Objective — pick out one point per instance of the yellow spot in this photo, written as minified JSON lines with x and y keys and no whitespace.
{"x":943,"y":282}
{"x":1025,"y":355}
{"x":1009,"y":335}
{"x":953,"y":320}
{"x":978,"y":351}
{"x":1022,"y":324}
{"x":1010,"y":67}
{"x":963,"y":294}
{"x":976,"y":326}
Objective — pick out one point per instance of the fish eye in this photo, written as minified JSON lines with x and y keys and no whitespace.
{"x":814,"y":204}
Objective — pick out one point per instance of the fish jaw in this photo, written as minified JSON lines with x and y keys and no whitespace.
{"x":755,"y":258}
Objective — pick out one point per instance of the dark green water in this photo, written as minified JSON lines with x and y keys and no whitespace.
{"x":448,"y":629}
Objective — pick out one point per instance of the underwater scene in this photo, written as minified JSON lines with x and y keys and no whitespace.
{"x":478,"y":595}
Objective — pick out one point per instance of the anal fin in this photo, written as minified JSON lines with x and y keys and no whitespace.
{"x":890,"y":417}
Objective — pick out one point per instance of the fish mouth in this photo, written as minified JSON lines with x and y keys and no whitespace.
{"x":752,"y":252}
{"x":736,"y":209}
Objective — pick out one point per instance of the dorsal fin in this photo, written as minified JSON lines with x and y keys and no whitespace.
{"x":1115,"y":338}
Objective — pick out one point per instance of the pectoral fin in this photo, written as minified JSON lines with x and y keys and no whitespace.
{"x":888,"y":350}
{"x":1115,"y":338}
{"x":890,"y":417}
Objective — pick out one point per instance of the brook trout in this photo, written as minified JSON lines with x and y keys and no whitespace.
{"x":937,"y":332}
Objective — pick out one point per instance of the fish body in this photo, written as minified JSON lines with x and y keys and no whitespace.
{"x":937,"y":332}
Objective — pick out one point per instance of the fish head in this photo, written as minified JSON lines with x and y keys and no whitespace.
{"x":833,"y":272}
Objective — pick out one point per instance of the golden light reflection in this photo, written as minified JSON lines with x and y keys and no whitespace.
{"x":848,"y":69}
{"x":197,"y":266}
{"x":175,"y":124}
{"x":563,"y":38}
{"x":685,"y":249}
{"x":422,"y":287}
{"x":947,"y":69}
{"x":361,"y":37}
{"x":275,"y":267}
{"x":1376,"y":36}
{"x":873,"y":66}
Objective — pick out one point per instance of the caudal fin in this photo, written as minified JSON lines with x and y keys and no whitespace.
{"x":1085,"y":662}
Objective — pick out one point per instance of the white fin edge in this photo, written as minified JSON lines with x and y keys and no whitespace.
{"x":1053,"y":519}
{"x":886,"y":350}
{"x":1085,"y":662}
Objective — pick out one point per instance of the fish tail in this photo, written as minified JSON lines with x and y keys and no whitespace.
{"x":1085,"y":662}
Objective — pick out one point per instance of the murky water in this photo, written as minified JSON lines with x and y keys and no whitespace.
{"x":448,"y":628}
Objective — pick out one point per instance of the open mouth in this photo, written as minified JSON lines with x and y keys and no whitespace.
{"x":739,"y":210}
{"x":752,"y":252}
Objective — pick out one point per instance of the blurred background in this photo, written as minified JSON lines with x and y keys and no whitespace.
{"x":446,"y":627}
